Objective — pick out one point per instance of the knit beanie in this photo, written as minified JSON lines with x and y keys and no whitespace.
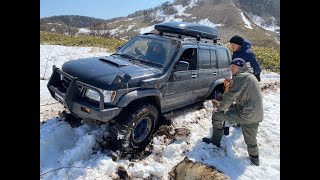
{"x":238,"y":62}
{"x":236,"y":39}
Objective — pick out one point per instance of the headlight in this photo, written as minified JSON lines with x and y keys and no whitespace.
{"x":108,"y":95}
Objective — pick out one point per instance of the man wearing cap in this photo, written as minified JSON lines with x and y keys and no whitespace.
{"x":242,"y":49}
{"x":248,"y":111}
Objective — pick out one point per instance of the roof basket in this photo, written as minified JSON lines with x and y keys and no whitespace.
{"x":188,"y":29}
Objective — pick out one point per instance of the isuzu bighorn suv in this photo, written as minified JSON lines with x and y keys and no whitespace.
{"x":150,"y":75}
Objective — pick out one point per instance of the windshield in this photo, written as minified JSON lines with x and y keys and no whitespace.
{"x":152,"y":51}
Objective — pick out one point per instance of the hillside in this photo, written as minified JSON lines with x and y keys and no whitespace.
{"x":72,"y":20}
{"x":257,"y":20}
{"x":67,"y":23}
{"x":230,"y":17}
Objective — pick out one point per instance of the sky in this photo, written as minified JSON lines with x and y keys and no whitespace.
{"x":103,"y":9}
{"x":71,"y":153}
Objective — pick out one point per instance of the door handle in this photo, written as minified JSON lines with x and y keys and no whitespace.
{"x":214,"y":73}
{"x":194,"y":76}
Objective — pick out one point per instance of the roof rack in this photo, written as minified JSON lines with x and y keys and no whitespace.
{"x":186,"y":37}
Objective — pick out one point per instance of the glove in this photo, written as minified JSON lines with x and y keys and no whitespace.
{"x":257,"y":76}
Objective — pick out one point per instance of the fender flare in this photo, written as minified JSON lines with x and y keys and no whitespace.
{"x":137,"y":94}
{"x":213,"y":85}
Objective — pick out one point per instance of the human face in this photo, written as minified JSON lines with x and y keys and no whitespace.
{"x":234,"y":69}
{"x":234,"y":47}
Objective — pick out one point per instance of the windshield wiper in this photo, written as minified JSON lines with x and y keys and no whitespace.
{"x":151,"y":63}
{"x":127,"y":56}
{"x":143,"y":61}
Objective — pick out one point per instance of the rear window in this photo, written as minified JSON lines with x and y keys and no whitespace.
{"x":204,"y":59}
{"x":214,"y":64}
{"x":223,"y":58}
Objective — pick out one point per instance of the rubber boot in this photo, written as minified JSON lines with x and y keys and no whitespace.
{"x":254,"y":160}
{"x":226,"y":131}
{"x":216,"y":137}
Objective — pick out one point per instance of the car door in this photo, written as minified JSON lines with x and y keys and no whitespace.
{"x":180,"y":87}
{"x":223,"y":59}
{"x":208,"y":71}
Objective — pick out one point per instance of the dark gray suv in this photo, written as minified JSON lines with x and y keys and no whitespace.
{"x":150,"y":75}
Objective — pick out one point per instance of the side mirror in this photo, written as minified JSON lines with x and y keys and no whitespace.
{"x":182,"y":66}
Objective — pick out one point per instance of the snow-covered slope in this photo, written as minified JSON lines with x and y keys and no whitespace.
{"x":72,"y":153}
{"x":229,"y":18}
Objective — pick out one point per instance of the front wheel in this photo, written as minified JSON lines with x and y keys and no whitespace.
{"x":134,"y":128}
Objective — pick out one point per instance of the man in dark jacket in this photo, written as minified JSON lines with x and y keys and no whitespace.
{"x":242,"y":49}
{"x":248,"y":111}
{"x":156,"y":53}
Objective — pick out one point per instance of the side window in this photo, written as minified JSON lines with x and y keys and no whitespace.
{"x":223,"y":59}
{"x":204,"y":59}
{"x":214,"y":64}
{"x":190,"y":56}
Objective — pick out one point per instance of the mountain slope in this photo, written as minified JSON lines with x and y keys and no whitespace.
{"x":226,"y":15}
{"x":257,"y":20}
{"x":72,"y":20}
{"x":67,"y":24}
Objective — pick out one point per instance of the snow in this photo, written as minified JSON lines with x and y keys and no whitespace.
{"x":129,"y":19}
{"x":160,"y":16}
{"x":193,"y":3}
{"x":208,"y":23}
{"x":247,"y":23}
{"x":146,"y":29}
{"x":130,"y":26}
{"x":55,"y":24}
{"x":181,"y":10}
{"x":56,"y":55}
{"x":262,"y":23}
{"x":75,"y":151}
{"x":116,"y":31}
{"x":84,"y":30}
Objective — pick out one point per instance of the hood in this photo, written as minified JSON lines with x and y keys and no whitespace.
{"x":245,"y":45}
{"x":101,"y":71}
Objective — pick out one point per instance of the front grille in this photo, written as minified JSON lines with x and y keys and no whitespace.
{"x":65,"y":82}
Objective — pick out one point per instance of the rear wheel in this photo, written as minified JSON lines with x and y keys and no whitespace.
{"x":133,"y":129}
{"x":217,"y":92}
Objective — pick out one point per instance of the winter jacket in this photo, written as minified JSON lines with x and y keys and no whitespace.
{"x":248,"y":55}
{"x":245,"y":91}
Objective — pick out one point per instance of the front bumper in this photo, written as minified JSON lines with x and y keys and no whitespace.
{"x":69,"y":91}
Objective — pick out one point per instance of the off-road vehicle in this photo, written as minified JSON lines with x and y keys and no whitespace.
{"x":152,"y":74}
